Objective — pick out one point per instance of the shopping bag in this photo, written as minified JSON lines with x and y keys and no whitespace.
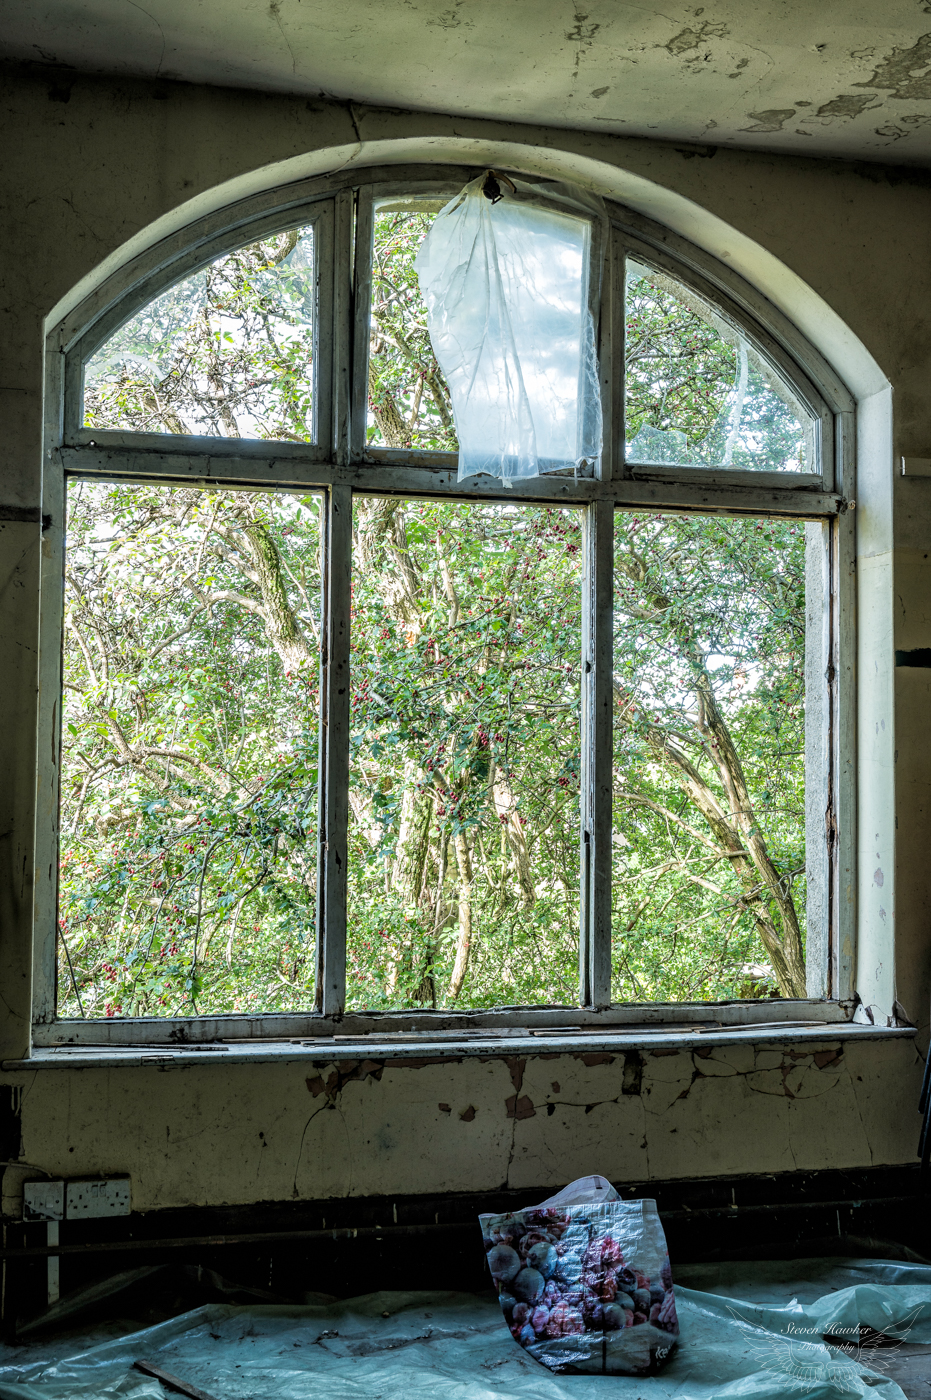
{"x":584,"y":1280}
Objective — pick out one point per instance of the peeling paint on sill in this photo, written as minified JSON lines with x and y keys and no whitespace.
{"x":325,"y":1052}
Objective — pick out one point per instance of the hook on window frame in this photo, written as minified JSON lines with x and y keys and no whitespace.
{"x":491,"y":188}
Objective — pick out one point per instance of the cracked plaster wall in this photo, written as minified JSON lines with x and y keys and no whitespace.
{"x":312,"y":1130}
{"x":82,"y":177}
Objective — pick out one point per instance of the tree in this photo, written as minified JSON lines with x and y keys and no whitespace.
{"x":191,"y":670}
{"x":408,"y":398}
{"x":189,"y":787}
{"x":698,"y":392}
{"x":228,"y":352}
{"x":464,"y":790}
{"x":709,"y":725}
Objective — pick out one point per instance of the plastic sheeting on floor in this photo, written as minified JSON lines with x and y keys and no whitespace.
{"x":749,"y":1330}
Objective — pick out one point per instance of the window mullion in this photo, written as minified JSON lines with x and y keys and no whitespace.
{"x":597,"y":643}
{"x":611,"y":358}
{"x":361,"y":324}
{"x":342,"y":325}
{"x":334,"y":755}
{"x":619,"y":357}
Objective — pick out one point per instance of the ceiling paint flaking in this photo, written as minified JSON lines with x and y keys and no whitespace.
{"x":679,"y":73}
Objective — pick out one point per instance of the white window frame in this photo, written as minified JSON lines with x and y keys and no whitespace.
{"x":339,"y":464}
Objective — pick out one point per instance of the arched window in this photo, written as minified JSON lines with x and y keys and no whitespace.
{"x":450,"y":628}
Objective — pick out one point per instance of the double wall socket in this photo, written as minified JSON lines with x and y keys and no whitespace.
{"x":76,"y":1200}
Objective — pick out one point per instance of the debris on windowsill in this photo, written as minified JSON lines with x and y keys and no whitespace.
{"x":384,"y":1044}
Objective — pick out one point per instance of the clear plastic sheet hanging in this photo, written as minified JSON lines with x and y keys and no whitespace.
{"x":749,"y":1331}
{"x":506,"y":283}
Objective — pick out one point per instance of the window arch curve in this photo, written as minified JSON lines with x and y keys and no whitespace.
{"x":333,"y":204}
{"x":747,"y":434}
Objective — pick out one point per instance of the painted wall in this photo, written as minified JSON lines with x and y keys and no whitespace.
{"x":219,"y":1134}
{"x":88,"y":165}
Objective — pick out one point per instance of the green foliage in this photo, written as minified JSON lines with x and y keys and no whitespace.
{"x":227,"y":352}
{"x":409,"y":404}
{"x":723,"y":600}
{"x":679,"y":370}
{"x":697,"y":392}
{"x":191,"y":713}
{"x":189,"y":765}
{"x":465,"y":754}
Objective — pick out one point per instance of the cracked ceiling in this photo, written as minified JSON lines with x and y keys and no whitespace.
{"x":842,"y":78}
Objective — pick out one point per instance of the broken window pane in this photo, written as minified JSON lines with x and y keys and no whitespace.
{"x":228,"y":352}
{"x":698,"y":393}
{"x":189,"y":756}
{"x":709,"y":882}
{"x":408,"y":398}
{"x":465,"y":755}
{"x":506,"y":286}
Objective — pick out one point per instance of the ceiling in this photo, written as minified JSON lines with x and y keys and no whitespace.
{"x":847,"y":78}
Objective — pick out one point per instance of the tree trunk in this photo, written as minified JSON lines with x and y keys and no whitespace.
{"x":737,"y":832}
{"x":385,"y":411}
{"x":280,"y":621}
{"x":746,"y":859}
{"x":506,"y":810}
{"x":410,"y":856}
{"x":712,"y":725}
{"x":464,"y":940}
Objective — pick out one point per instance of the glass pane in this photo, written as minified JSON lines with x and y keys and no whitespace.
{"x":409,"y":404}
{"x":228,"y":352}
{"x":697,"y":392}
{"x":464,"y":786}
{"x":709,"y":881}
{"x":189,"y":766}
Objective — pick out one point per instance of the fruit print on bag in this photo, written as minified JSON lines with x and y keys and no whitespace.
{"x":585,"y":1287}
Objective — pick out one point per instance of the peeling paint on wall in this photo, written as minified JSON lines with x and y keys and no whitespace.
{"x":342,"y":1075}
{"x":451,"y":18}
{"x":771,"y":120}
{"x":317,"y":1129}
{"x":688,"y":40}
{"x":582,"y":34}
